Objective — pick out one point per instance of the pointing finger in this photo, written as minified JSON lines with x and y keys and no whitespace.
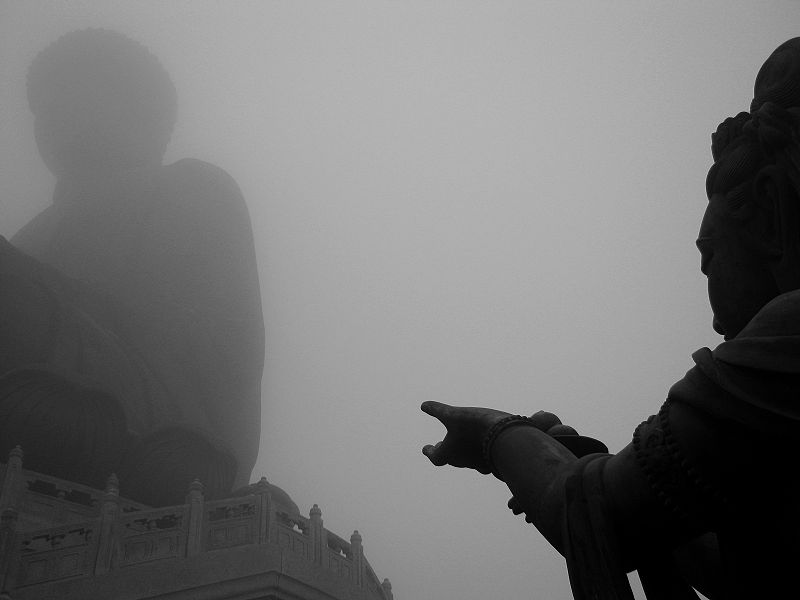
{"x":436,"y":409}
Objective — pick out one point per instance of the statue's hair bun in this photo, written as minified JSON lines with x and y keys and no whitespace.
{"x":101,"y":57}
{"x":778,"y":80}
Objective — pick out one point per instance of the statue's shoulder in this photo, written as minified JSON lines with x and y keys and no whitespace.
{"x":194,"y":169}
{"x":33,"y":237}
{"x":197,"y":202}
{"x":770,"y":341}
{"x":780,"y":317}
{"x":198,"y":183}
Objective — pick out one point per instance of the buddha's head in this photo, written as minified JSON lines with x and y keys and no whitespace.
{"x":750,"y":235}
{"x":101,"y":103}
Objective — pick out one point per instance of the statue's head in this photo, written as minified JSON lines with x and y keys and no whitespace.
{"x":101,"y":103}
{"x":750,"y":236}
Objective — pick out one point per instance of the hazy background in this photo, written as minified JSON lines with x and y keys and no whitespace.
{"x":483,"y":203}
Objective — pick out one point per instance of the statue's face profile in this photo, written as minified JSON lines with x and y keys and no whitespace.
{"x":740,"y":281}
{"x":749,"y":238}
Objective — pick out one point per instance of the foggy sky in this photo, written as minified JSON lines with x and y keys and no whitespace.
{"x":473,"y":202}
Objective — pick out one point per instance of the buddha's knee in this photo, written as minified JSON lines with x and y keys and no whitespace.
{"x":159,"y":468}
{"x":65,"y":429}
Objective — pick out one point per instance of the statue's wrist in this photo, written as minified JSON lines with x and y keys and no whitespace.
{"x":491,"y":435}
{"x":535,"y":467}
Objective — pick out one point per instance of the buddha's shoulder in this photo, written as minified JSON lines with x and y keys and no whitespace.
{"x":34,"y":236}
{"x":196,"y":182}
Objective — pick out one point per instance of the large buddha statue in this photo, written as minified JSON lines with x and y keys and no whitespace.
{"x":706,"y":495}
{"x":131,"y":333}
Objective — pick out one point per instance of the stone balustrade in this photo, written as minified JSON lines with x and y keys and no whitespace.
{"x":93,"y":532}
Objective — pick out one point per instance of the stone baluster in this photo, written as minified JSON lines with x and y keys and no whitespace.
{"x":10,"y":499}
{"x":387,"y":589}
{"x":318,"y":537}
{"x":106,"y":542}
{"x":358,"y":558}
{"x":12,"y":483}
{"x":60,"y":509}
{"x":264,"y":507}
{"x":8,"y":531}
{"x":194,"y":535}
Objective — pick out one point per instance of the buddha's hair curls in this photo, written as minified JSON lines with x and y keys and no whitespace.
{"x":767,"y":135}
{"x":103,"y":57}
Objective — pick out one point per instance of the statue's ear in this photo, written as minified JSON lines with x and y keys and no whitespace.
{"x":779,"y":227}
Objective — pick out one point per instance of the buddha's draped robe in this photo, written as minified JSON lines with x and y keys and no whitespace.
{"x":738,"y":478}
{"x":145,"y":286}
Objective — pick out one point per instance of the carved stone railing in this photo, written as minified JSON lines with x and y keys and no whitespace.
{"x":57,"y":553}
{"x":151,"y":535}
{"x":339,"y":556}
{"x":230,"y":522}
{"x":48,"y":500}
{"x":115,"y":533}
{"x":294,"y":533}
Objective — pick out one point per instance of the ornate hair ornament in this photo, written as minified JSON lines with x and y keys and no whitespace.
{"x":745,"y":143}
{"x":771,"y":127}
{"x":753,"y":139}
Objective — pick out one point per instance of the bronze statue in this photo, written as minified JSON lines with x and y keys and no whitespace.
{"x":131,"y":333}
{"x":706,"y":495}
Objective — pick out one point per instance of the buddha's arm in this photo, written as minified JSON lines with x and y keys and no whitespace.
{"x":38,"y":304}
{"x":198,"y":320}
{"x":202,"y":289}
{"x":536,"y":470}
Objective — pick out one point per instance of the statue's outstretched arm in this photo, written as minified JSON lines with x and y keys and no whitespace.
{"x":627,"y":525}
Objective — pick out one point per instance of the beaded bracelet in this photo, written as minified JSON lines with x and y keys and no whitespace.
{"x":495,"y":431}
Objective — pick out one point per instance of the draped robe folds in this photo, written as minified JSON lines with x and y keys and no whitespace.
{"x":145,"y":286}
{"x":747,"y":393}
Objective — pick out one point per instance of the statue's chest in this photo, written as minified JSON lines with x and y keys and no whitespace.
{"x":102,"y":246}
